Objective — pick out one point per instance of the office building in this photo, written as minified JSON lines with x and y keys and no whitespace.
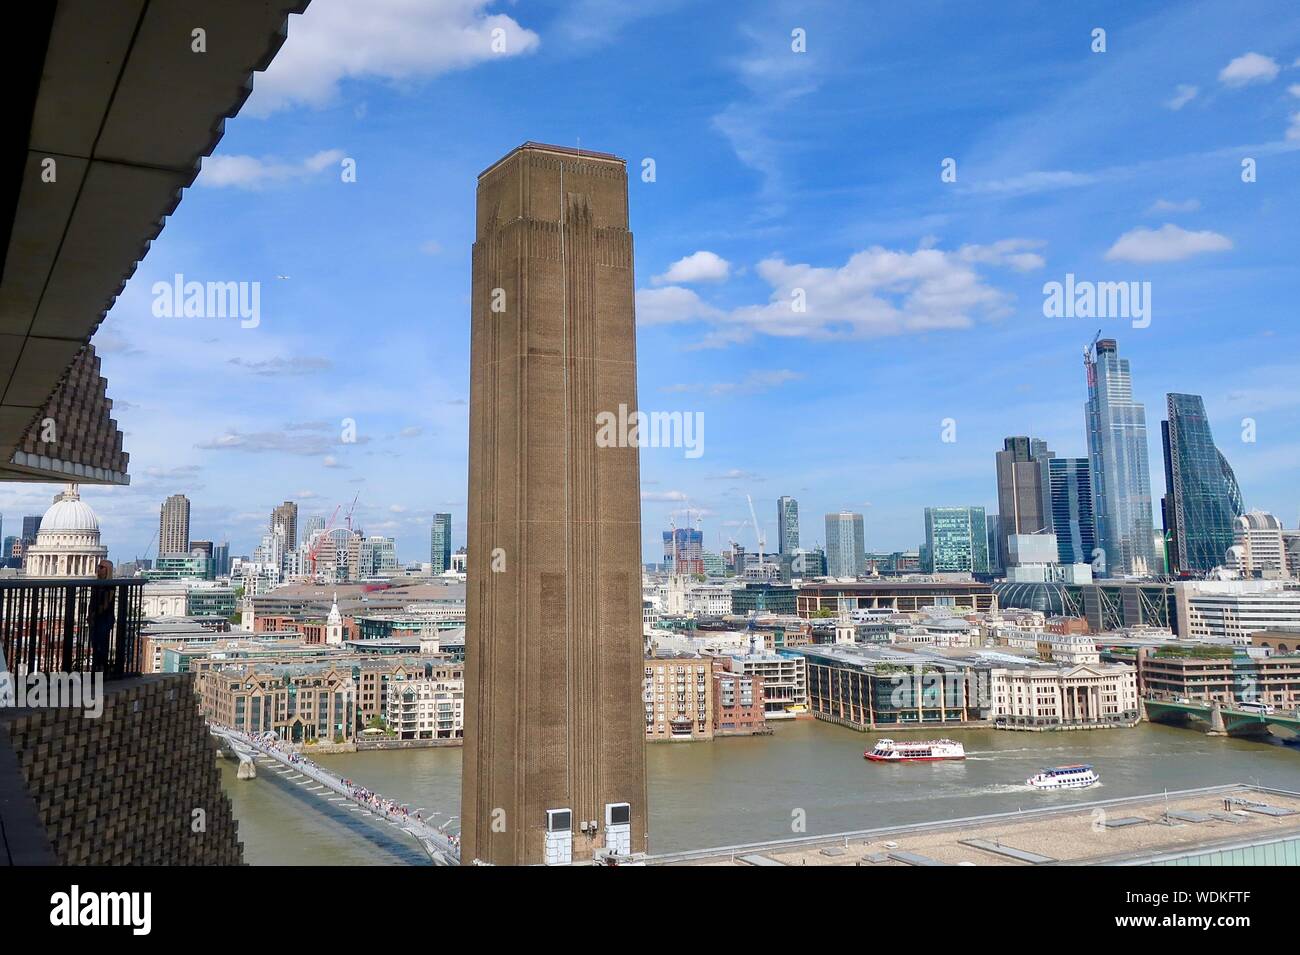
{"x":1202,"y":500}
{"x":1209,"y":674}
{"x":174,"y":526}
{"x":956,"y":540}
{"x":1259,"y":547}
{"x":1020,"y":490}
{"x":846,"y":546}
{"x":554,"y":717}
{"x":764,"y":597}
{"x":221,"y":558}
{"x":864,"y":687}
{"x":803,"y":564}
{"x":684,"y":550}
{"x":787,"y":525}
{"x":1117,"y":458}
{"x":1231,"y":610}
{"x":900,"y":596}
{"x":440,"y":543}
{"x":377,"y":556}
{"x":31,"y":527}
{"x":1067,"y":508}
{"x":993,"y":522}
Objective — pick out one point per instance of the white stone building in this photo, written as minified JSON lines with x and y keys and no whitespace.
{"x":67,"y":545}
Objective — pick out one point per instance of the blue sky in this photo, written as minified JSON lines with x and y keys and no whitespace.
{"x":817,"y":170}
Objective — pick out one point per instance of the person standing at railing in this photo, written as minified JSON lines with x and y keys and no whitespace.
{"x":101,"y":617}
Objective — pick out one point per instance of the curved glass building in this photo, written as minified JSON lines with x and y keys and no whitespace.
{"x":1202,"y":500}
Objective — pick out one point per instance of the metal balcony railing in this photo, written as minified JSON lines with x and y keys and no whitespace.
{"x":50,"y":625}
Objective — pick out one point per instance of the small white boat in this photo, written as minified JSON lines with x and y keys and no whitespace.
{"x":1065,"y":777}
{"x":888,"y":751}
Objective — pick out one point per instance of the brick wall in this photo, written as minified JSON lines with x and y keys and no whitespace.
{"x":123,"y":789}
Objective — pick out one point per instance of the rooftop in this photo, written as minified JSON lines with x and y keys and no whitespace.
{"x":1131,"y":831}
{"x":575,"y":151}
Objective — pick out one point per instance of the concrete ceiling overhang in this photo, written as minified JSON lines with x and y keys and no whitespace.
{"x":122,"y":111}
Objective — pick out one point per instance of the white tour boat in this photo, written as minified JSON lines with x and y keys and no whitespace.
{"x":1065,"y":777}
{"x":888,"y":751}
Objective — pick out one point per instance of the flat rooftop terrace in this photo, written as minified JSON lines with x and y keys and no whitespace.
{"x":1130,"y":831}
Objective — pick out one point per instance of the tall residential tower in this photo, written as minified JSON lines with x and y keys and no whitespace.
{"x":285,"y":517}
{"x":846,"y":547}
{"x":174,"y":526}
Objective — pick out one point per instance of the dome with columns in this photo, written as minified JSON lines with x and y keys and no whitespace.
{"x":67,"y":544}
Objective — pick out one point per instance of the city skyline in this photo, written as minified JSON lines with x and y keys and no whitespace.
{"x":767,"y":152}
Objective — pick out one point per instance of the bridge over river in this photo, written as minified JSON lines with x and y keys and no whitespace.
{"x":1221,"y":720}
{"x":442,"y":847}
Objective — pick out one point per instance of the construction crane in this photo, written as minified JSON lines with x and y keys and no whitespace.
{"x":315,"y":545}
{"x":350,"y":510}
{"x":148,"y":547}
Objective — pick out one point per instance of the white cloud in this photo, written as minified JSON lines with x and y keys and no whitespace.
{"x":278,"y":366}
{"x":1167,"y":206}
{"x":673,"y":303}
{"x":431,"y":247}
{"x":754,"y":382}
{"x":1249,"y":68}
{"x":1293,"y":131}
{"x":674,"y":496}
{"x":1038,"y":181}
{"x":249,"y":172}
{"x":877,"y":292}
{"x":394,"y":40}
{"x":701,"y":266}
{"x":1183,"y":94}
{"x":1010,"y":252}
{"x":1294,"y":90}
{"x":1169,"y":243}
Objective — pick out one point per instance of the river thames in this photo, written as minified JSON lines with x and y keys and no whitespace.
{"x":752,"y":789}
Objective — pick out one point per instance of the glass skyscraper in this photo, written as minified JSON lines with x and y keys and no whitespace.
{"x":1067,"y":503}
{"x":956,"y":540}
{"x":787,"y":525}
{"x":440,"y":543}
{"x":1117,"y":458}
{"x":1202,"y":499}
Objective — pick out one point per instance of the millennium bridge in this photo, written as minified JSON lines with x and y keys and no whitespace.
{"x":442,"y":847}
